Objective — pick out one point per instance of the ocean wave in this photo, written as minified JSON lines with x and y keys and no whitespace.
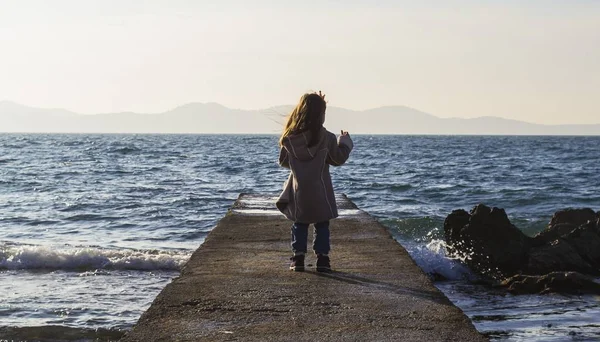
{"x":19,"y":257}
{"x":432,"y":259}
{"x":90,"y":217}
{"x":124,"y":150}
{"x":7,"y":160}
{"x":423,"y":239}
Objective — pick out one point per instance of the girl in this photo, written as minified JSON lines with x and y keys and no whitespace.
{"x":307,"y":149}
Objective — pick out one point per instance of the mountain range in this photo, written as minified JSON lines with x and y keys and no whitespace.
{"x":215,"y":118}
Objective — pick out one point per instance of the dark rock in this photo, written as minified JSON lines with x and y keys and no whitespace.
{"x":576,"y":217}
{"x":574,"y":249}
{"x":452,"y":226}
{"x":586,"y":241}
{"x":564,"y":222}
{"x":559,"y":255}
{"x":548,"y":235}
{"x":563,"y":282}
{"x":487,"y":242}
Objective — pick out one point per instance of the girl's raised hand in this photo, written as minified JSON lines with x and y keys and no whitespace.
{"x":322,"y":95}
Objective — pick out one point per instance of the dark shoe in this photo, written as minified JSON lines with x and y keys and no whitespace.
{"x":297,"y":264}
{"x":323,"y":263}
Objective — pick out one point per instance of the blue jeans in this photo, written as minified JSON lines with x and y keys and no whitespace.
{"x":321,"y":243}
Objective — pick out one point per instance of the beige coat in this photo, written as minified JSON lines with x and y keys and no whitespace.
{"x":307,"y":195}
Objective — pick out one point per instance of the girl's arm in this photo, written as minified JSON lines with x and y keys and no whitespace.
{"x":284,"y":158}
{"x":339,"y":149}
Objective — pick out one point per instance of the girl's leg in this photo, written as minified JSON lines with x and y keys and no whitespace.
{"x":299,"y":238}
{"x":321,"y":244}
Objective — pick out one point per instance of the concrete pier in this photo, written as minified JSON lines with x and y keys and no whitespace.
{"x":237,"y":287}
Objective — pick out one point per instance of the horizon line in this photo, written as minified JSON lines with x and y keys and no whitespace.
{"x":289,"y":105}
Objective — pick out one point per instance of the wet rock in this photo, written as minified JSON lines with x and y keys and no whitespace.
{"x":452,"y":227}
{"x":558,"y":255}
{"x":486,"y":241}
{"x":564,"y":222}
{"x":572,"y":216}
{"x":491,"y":246}
{"x":586,"y":241}
{"x":562,"y":282}
{"x":570,"y":243}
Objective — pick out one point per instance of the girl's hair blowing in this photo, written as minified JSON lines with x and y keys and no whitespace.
{"x":308,"y":115}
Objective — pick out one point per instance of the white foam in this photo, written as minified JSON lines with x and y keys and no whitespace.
{"x":38,"y":257}
{"x":433,"y":260}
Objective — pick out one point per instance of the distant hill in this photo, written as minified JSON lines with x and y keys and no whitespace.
{"x":215,"y":118}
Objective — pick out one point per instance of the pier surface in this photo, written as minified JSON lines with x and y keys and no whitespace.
{"x":237,"y":287}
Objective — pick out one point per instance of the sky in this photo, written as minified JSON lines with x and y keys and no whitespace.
{"x":536,"y":62}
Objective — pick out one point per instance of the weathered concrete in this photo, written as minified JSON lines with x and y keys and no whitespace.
{"x":237,"y":287}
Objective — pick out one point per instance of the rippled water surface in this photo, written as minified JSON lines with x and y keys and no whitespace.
{"x":93,"y":226}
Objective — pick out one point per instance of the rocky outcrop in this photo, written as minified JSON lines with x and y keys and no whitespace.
{"x":486,"y":241}
{"x":491,"y":246}
{"x":563,"y":222}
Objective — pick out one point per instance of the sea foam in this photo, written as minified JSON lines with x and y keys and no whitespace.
{"x":432,"y":259}
{"x":89,"y":258}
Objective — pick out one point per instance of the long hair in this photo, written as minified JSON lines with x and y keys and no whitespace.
{"x":308,"y":115}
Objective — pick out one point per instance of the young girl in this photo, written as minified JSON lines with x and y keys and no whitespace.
{"x":307,"y":149}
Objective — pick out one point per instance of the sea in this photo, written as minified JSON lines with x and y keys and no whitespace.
{"x":92,"y":227}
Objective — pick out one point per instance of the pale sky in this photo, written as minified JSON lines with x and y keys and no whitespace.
{"x":536,"y":62}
